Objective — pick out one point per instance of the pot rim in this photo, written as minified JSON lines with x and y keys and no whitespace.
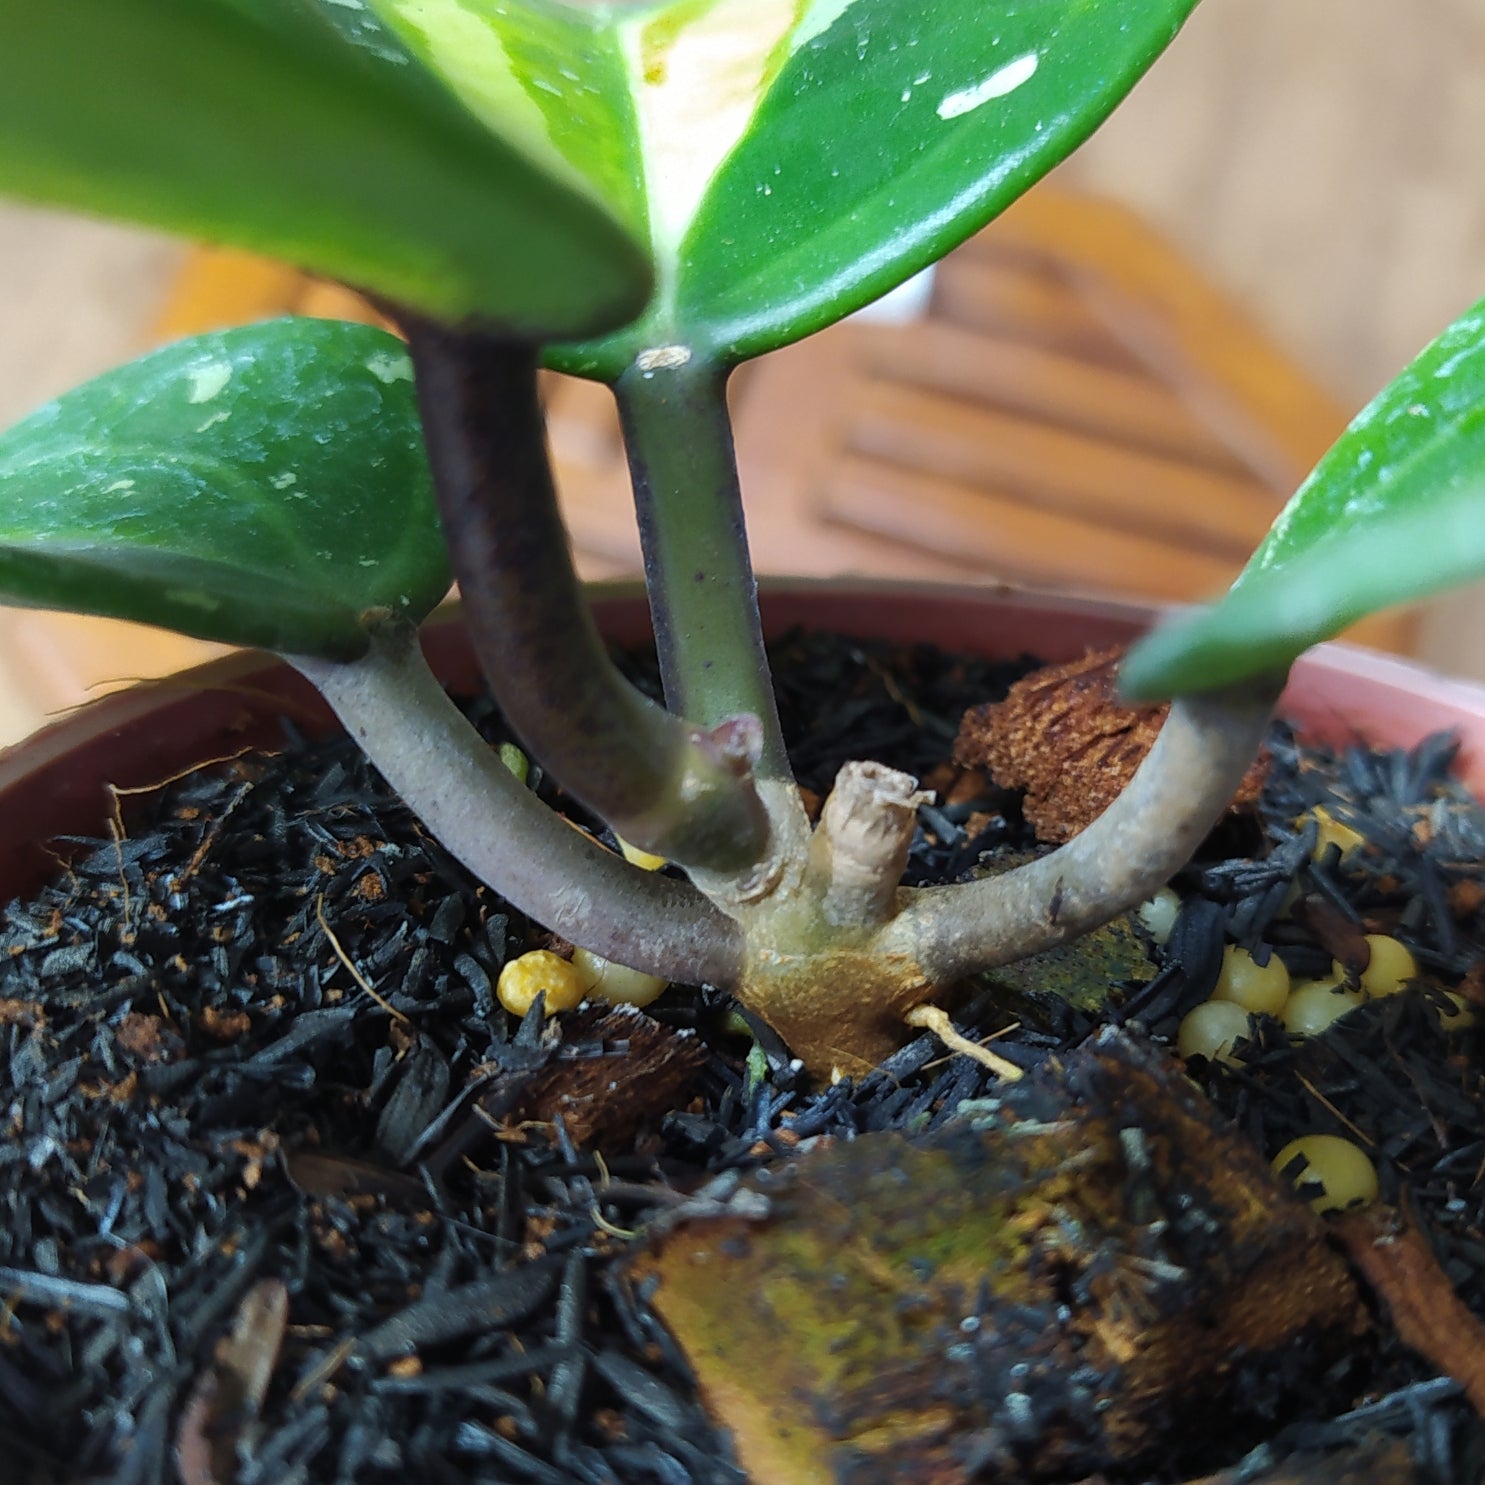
{"x":65,"y":778}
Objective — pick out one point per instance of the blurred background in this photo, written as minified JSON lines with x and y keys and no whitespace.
{"x":1296,"y":209}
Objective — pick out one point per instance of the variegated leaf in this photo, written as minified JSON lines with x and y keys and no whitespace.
{"x":265,"y":485}
{"x":789,"y":160}
{"x":801,"y":157}
{"x":312,"y":131}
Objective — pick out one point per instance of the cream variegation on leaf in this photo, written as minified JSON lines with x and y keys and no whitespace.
{"x":787,"y":160}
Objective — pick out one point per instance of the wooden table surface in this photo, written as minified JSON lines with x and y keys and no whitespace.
{"x":1317,"y":161}
{"x":1073,"y":406}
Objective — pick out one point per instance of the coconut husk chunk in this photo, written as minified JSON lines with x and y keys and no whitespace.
{"x":1063,"y":736}
{"x":1060,"y":1283}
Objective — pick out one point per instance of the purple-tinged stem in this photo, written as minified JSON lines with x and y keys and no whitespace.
{"x":663,"y":784}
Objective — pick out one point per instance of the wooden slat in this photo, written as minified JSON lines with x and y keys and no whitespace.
{"x":600,"y":515}
{"x":326,"y":301}
{"x":219,"y":287}
{"x":1011,"y":539}
{"x":1396,"y":630}
{"x":1044,"y":385}
{"x":63,"y":659}
{"x":1078,"y":476}
{"x":788,"y":422}
{"x":594,"y":567}
{"x":20,"y":711}
{"x":1178,"y":326}
{"x":1035,"y":306}
{"x":583,"y":423}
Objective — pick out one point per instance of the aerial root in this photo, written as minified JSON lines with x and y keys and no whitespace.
{"x":931,"y":1018}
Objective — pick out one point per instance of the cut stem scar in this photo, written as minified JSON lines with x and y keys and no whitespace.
{"x":860,"y":847}
{"x":931,"y":1018}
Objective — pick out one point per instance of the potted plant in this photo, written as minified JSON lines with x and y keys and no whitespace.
{"x":647,"y":196}
{"x":267,"y":485}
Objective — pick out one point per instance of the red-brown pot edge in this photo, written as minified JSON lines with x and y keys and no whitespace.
{"x":58,"y":781}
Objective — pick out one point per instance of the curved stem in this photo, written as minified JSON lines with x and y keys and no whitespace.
{"x":1137,"y":844}
{"x":662,"y":783}
{"x":392,"y":704}
{"x":703,"y":597}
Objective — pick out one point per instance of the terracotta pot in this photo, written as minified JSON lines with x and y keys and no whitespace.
{"x":62,"y":781}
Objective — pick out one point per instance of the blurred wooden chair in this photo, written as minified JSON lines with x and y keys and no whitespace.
{"x":1075,"y":407}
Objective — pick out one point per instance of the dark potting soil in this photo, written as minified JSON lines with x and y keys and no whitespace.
{"x":255,"y":1076}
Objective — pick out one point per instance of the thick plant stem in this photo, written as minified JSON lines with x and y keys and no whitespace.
{"x":665,"y":785}
{"x":1132,"y":849}
{"x":840,"y":995}
{"x":486,"y":818}
{"x":703,"y":597}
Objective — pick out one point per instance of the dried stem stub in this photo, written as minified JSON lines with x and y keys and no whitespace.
{"x":861,"y":844}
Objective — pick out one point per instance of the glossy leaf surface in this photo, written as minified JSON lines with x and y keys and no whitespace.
{"x":1393,"y":512}
{"x":788,"y":160}
{"x":801,"y":157}
{"x":549,"y":76}
{"x":314,"y":131}
{"x":262,"y":486}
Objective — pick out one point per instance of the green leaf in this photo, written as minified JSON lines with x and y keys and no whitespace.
{"x":788,"y":160}
{"x":550,"y":76}
{"x":804,"y":156}
{"x":262,"y":486}
{"x":1393,"y":512}
{"x":312,"y":131}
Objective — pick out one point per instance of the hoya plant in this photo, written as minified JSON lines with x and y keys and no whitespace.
{"x":646,"y":195}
